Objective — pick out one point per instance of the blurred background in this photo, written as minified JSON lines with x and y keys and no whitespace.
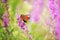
{"x":29,"y":20}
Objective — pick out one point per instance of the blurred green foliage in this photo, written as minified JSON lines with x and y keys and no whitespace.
{"x":13,"y":28}
{"x":2,"y":9}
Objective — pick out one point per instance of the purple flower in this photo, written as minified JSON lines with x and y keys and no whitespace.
{"x":37,"y":8}
{"x":21,"y":23}
{"x":4,"y":1}
{"x":5,"y":19}
{"x":54,"y":8}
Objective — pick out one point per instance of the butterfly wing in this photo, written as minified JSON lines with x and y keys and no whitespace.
{"x":25,"y":18}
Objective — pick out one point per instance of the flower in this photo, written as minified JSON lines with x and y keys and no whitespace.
{"x":55,"y":13}
{"x":4,"y":1}
{"x":37,"y":8}
{"x":21,"y":23}
{"x":5,"y":19}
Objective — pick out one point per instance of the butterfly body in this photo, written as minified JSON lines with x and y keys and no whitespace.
{"x":25,"y":18}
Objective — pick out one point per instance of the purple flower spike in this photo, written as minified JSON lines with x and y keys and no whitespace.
{"x":4,"y":1}
{"x":21,"y":23}
{"x":37,"y":8}
{"x":5,"y":19}
{"x":55,"y":13}
{"x":5,"y":22}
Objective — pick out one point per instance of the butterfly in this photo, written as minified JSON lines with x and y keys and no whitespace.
{"x":25,"y":18}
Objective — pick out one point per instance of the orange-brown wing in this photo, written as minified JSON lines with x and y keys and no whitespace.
{"x":25,"y":18}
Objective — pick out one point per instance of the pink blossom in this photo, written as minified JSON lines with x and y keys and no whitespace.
{"x":54,"y":9}
{"x":5,"y":19}
{"x":37,"y":7}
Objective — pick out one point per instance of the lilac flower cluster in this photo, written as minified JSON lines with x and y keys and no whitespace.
{"x":37,"y":8}
{"x":4,"y":1}
{"x":54,"y":8}
{"x":22,"y":24}
{"x":5,"y":19}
